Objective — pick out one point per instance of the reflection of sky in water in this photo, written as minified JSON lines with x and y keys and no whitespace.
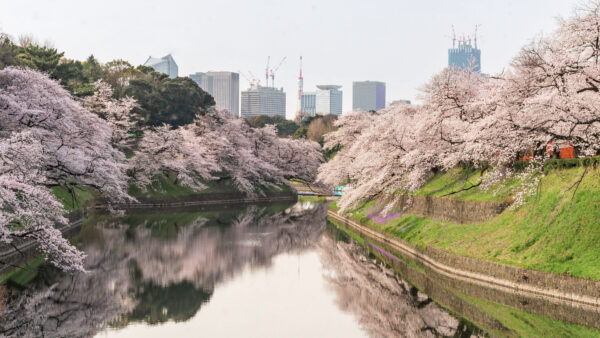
{"x":256,"y":272}
{"x":288,"y":299}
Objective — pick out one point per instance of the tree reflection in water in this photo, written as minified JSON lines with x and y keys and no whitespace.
{"x":133,"y":275}
{"x":385,"y":305}
{"x":158,"y":268}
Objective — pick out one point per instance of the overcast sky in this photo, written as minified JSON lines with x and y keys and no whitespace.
{"x":402,"y":43}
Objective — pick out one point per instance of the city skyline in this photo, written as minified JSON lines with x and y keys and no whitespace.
{"x":403,"y":46}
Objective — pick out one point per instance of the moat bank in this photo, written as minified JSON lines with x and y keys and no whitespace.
{"x":12,"y":256}
{"x":488,"y":294}
{"x":555,"y":231}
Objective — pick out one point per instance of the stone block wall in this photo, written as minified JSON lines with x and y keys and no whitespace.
{"x":449,"y":210}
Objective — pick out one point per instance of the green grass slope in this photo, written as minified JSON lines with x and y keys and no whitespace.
{"x":557,"y":231}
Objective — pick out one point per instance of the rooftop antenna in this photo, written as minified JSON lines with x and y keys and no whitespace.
{"x":475,"y":37}
{"x":453,"y":37}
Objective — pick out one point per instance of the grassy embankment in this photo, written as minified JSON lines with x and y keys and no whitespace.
{"x":557,"y":230}
{"x":518,"y":322}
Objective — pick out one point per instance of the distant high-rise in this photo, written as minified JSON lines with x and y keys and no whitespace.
{"x":199,"y":77}
{"x":308,"y":104}
{"x":224,"y":88}
{"x":328,"y":100}
{"x":465,"y":56}
{"x":399,"y":102}
{"x":165,"y":64}
{"x":263,"y":101}
{"x":368,"y":95}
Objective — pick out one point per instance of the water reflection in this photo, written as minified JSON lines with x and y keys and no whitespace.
{"x":144,"y":270}
{"x":385,"y":305}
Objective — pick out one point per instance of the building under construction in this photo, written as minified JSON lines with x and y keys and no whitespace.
{"x":465,"y":55}
{"x":259,"y":100}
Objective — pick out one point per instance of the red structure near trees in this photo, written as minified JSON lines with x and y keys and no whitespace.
{"x":564,"y":150}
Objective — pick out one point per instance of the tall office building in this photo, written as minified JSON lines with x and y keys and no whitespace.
{"x":328,"y":100}
{"x":308,"y":103}
{"x":465,"y":56}
{"x":368,"y":95}
{"x":224,"y":88}
{"x":165,"y":64}
{"x":199,"y":77}
{"x":263,"y":101}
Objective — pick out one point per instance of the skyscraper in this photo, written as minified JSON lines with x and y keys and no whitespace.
{"x":328,"y":100}
{"x":308,"y":103}
{"x":465,"y":56}
{"x":165,"y":65}
{"x":368,"y":95}
{"x":263,"y":101}
{"x":224,"y":88}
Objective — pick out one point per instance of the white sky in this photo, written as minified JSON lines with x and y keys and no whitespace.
{"x":402,"y":43}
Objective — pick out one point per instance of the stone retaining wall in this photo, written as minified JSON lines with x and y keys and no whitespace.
{"x":24,"y":249}
{"x":538,"y":278}
{"x":449,"y":210}
{"x":515,"y":274}
{"x":443,"y":289}
{"x":565,"y":298}
{"x":205,"y":199}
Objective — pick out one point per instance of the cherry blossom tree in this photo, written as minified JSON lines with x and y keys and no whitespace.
{"x":217,"y":145}
{"x":115,"y":111}
{"x":48,"y":139}
{"x":179,"y":151}
{"x":28,"y":209}
{"x":76,"y":143}
{"x":550,"y":94}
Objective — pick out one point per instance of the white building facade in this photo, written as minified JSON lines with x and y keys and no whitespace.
{"x":224,"y":88}
{"x":165,"y":65}
{"x":308,"y":104}
{"x":263,"y":101}
{"x":328,"y":100}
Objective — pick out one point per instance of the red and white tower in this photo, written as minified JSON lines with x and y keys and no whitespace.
{"x":300,"y":89}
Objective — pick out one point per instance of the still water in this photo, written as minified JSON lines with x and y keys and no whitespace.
{"x":276,"y":271}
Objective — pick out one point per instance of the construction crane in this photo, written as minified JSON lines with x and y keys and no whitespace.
{"x":256,"y":80}
{"x":250,"y":81}
{"x":273,"y":71}
{"x":267,"y":71}
{"x":475,"y":37}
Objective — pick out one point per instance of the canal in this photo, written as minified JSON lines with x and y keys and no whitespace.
{"x":259,"y":271}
